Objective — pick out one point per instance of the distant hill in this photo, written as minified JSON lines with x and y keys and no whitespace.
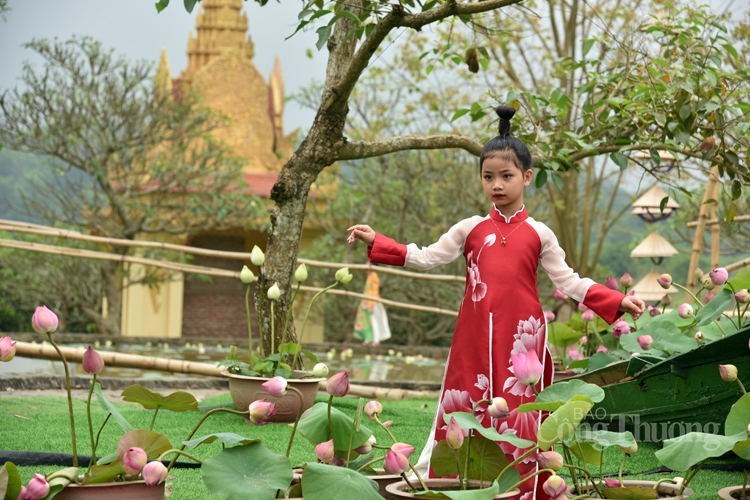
{"x":15,"y":170}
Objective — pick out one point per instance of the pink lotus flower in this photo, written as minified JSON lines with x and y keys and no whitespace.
{"x":611,"y":283}
{"x":601,"y":348}
{"x":665,"y":281}
{"x":728,"y":372}
{"x":373,"y":409}
{"x":559,"y":295}
{"x":621,"y":328}
{"x":742,"y":296}
{"x":626,"y":280}
{"x":338,"y":385}
{"x":550,"y":460}
{"x":7,"y":349}
{"x":645,"y":342}
{"x":588,"y":315}
{"x":336,"y":460}
{"x":666,"y":300}
{"x":554,"y":486}
{"x":652,"y":311}
{"x":275,"y":386}
{"x":260,"y":411}
{"x":583,"y":340}
{"x":37,"y":489}
{"x":719,"y":276}
{"x":154,"y":473}
{"x":324,"y":451}
{"x":387,"y":423}
{"x":582,"y":307}
{"x":498,"y":408}
{"x":549,"y":315}
{"x":44,"y":320}
{"x":526,"y":367}
{"x":395,"y":463}
{"x":367,"y":447}
{"x":574,"y":354}
{"x":612,"y":483}
{"x":708,"y":297}
{"x":92,"y":361}
{"x":403,"y":448}
{"x":134,"y":460}
{"x":454,"y":436}
{"x":685,"y":310}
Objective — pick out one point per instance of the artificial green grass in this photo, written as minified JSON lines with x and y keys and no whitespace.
{"x":47,"y":429}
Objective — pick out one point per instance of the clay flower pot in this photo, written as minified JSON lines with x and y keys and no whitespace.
{"x":245,"y":390}
{"x":112,"y":491}
{"x":734,"y":493}
{"x":665,"y":490}
{"x":401,"y":488}
{"x":384,"y":479}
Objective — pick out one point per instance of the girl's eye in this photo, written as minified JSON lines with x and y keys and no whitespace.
{"x":507,"y":176}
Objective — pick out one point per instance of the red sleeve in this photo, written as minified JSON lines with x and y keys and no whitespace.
{"x":385,"y":250}
{"x":604,"y":302}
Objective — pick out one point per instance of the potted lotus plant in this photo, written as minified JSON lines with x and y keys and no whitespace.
{"x":245,"y":378}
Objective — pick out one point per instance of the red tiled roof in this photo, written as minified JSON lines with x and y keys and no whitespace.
{"x":261,"y":183}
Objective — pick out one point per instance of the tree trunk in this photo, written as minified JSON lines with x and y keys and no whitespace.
{"x":112,"y":288}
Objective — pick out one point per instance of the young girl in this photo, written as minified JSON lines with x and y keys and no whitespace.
{"x":500,"y":314}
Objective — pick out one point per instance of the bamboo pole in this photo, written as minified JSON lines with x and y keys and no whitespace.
{"x":695,"y":253}
{"x":24,"y":227}
{"x":737,"y":265}
{"x":75,"y":355}
{"x":715,"y":229}
{"x":711,"y":222}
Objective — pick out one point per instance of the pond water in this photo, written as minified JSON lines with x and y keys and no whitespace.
{"x":388,"y":367}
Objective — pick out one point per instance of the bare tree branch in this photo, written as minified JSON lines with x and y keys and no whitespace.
{"x":367,"y":149}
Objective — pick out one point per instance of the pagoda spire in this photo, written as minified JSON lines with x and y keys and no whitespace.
{"x":163,"y":78}
{"x":276,"y":102}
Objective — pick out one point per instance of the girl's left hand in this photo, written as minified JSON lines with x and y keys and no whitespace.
{"x":632,"y":305}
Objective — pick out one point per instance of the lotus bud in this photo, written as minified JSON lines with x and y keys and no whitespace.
{"x":301,"y":273}
{"x":7,"y":349}
{"x":685,"y":310}
{"x":699,"y":337}
{"x":526,"y":367}
{"x":549,"y":460}
{"x":666,"y":300}
{"x":611,"y":283}
{"x":728,"y":372}
{"x":403,"y":448}
{"x":707,"y":283}
{"x":92,"y":361}
{"x":498,"y":408}
{"x":602,"y":348}
{"x":260,"y":411}
{"x":337,"y":461}
{"x":574,"y":354}
{"x":559,"y":295}
{"x":708,"y":297}
{"x":387,"y":423}
{"x":549,"y":316}
{"x":588,"y":315}
{"x":246,"y":275}
{"x":630,"y":450}
{"x":582,"y":307}
{"x":154,"y":473}
{"x":612,"y":483}
{"x":698,"y":274}
{"x":665,"y":281}
{"x":454,"y":436}
{"x":395,"y":463}
{"x":583,"y":340}
{"x":652,"y":311}
{"x":257,"y":257}
{"x":645,"y":342}
{"x":37,"y":489}
{"x":343,"y":276}
{"x":367,"y":447}
{"x":134,"y":460}
{"x":373,"y":409}
{"x":44,"y":320}
{"x":274,"y":292}
{"x":707,"y":144}
{"x":324,"y":451}
{"x":742,"y":296}
{"x":275,"y":386}
{"x":621,"y":328}
{"x":320,"y":370}
{"x":338,"y":385}
{"x":719,"y":276}
{"x":626,"y":280}
{"x":554,"y":486}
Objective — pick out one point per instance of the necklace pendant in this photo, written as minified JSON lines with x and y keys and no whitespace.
{"x":503,"y":242}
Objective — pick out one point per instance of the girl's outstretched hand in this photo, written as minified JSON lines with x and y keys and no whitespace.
{"x":361,"y":232}
{"x":632,"y":305}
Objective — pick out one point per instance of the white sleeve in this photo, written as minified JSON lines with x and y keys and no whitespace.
{"x":552,"y":258}
{"x":447,"y":249}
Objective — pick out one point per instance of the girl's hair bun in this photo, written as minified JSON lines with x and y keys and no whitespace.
{"x":505,"y":113}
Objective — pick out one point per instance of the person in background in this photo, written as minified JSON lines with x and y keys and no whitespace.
{"x":371,"y":324}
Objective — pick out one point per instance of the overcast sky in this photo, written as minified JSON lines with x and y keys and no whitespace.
{"x":133,"y":28}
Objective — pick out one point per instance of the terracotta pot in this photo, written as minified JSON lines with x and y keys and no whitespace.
{"x":398,"y":490}
{"x":383,"y":479}
{"x":666,"y":490}
{"x":112,"y":491}
{"x":245,"y":390}
{"x":733,"y":492}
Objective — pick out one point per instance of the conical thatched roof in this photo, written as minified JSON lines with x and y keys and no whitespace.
{"x":648,"y":290}
{"x":650,"y":201}
{"x":654,"y":246}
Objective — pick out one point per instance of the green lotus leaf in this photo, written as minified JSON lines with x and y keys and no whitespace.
{"x":715,"y":308}
{"x":177,"y":401}
{"x":153,"y":443}
{"x":604,"y":439}
{"x":60,"y":479}
{"x":314,"y":426}
{"x":468,"y":421}
{"x":10,"y":481}
{"x":483,"y":494}
{"x":249,"y":472}
{"x":227,"y":438}
{"x":737,"y":421}
{"x":561,"y":423}
{"x":566,"y":390}
{"x":324,"y":482}
{"x":443,"y":459}
{"x":685,"y":451}
{"x":110,"y":408}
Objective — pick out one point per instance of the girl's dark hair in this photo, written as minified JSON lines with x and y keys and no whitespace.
{"x":505,"y":142}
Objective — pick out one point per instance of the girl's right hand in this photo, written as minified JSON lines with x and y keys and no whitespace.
{"x":361,"y":232}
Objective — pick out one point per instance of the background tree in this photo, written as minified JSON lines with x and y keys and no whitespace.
{"x":131,"y":160}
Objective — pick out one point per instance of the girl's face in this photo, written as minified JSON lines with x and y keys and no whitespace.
{"x":503,"y":184}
